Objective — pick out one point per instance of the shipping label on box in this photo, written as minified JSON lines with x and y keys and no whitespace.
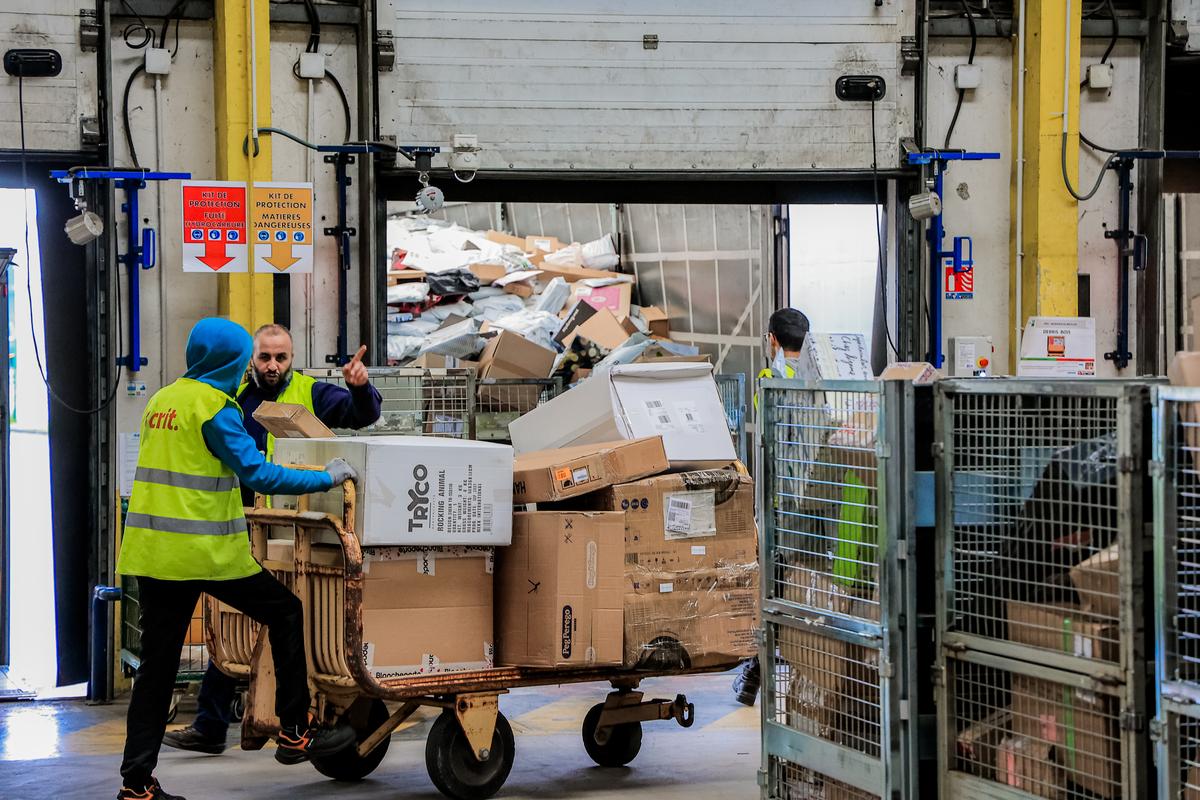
{"x":424,"y":491}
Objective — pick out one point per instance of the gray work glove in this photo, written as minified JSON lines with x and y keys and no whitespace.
{"x":340,"y":471}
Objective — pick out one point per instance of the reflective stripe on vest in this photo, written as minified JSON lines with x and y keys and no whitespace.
{"x":298,"y":391}
{"x":185,"y":519}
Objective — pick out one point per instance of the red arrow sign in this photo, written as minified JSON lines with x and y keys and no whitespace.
{"x":214,"y":255}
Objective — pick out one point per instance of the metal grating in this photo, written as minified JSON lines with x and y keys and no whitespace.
{"x":499,"y":401}
{"x":822,"y":500}
{"x":826,"y":688}
{"x":1034,"y":734}
{"x":416,"y":402}
{"x":732,"y":388}
{"x":1035,"y":519}
{"x":193,"y":658}
{"x":790,"y":781}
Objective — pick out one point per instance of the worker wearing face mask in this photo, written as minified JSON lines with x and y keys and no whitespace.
{"x":271,"y":378}
{"x":786,"y":331}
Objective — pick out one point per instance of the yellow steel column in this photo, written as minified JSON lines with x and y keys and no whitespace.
{"x":242,"y":92}
{"x":1050,"y":221}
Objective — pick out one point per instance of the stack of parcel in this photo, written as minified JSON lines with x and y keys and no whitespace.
{"x":642,"y":552}
{"x":514,"y":308}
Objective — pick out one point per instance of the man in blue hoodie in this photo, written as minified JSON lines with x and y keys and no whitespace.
{"x":185,"y":535}
{"x":272,"y":379}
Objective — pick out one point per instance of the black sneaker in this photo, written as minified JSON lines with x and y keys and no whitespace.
{"x":194,"y":741}
{"x":746,"y":684}
{"x":152,"y":792}
{"x":295,"y":745}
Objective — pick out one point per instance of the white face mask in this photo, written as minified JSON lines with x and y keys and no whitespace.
{"x":779,"y":363}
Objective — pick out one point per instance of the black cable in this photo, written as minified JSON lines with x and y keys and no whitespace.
{"x":970,"y":60}
{"x":112,"y":394}
{"x":345,"y":102}
{"x":139,"y":69}
{"x":314,"y":27}
{"x":881,"y":259}
{"x":1116,"y":31}
{"x":1067,"y":180}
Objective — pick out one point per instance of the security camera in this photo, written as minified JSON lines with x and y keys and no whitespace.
{"x":464,"y":157}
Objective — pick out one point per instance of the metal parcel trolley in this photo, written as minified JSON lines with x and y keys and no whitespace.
{"x":470,"y":748}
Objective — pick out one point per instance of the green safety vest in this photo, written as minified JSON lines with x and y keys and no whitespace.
{"x":299,"y":391}
{"x":185,"y":519}
{"x":767,"y":372}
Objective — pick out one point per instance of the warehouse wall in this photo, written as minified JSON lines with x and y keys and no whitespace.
{"x":53,"y":106}
{"x":172,"y":301}
{"x":978,"y":195}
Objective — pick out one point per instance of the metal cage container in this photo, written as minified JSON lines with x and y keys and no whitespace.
{"x":1176,"y":472}
{"x":416,"y":402}
{"x":838,"y":665}
{"x":732,"y":388}
{"x":499,"y":401}
{"x":1041,"y":626}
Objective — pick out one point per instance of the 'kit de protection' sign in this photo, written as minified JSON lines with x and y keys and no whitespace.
{"x":214,"y":226}
{"x":282,"y":216}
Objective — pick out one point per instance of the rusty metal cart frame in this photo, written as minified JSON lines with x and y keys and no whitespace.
{"x":470,"y":748}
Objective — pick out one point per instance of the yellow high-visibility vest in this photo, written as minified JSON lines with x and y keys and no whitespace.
{"x":185,"y":519}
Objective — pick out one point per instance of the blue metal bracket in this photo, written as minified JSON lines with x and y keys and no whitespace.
{"x":959,"y":261}
{"x":140,"y":244}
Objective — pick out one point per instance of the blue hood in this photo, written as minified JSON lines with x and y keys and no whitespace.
{"x":218,"y":352}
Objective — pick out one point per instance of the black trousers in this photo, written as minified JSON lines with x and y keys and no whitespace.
{"x":166,"y":611}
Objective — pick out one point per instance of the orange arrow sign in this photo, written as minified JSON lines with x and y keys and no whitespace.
{"x":281,"y":256}
{"x":214,"y":254}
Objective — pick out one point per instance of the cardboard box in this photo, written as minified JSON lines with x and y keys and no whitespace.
{"x":508,"y":356}
{"x":504,"y":238}
{"x":830,"y":681}
{"x":1082,"y":727}
{"x":679,"y":402}
{"x":427,"y":611}
{"x":415,"y":490}
{"x":439,"y":361}
{"x":978,"y":745}
{"x":1063,"y":628}
{"x":615,"y":298}
{"x":834,"y":356}
{"x":553,"y":475}
{"x":700,"y":618}
{"x":290,"y":421}
{"x":657,"y":320}
{"x":519,"y":288}
{"x":683,"y":521}
{"x":1191,"y":789}
{"x":542,"y":244}
{"x":572,"y":318}
{"x":919,"y":373}
{"x":488,"y":273}
{"x":559,"y":590}
{"x":1028,"y":765}
{"x":657,"y":354}
{"x":605,"y":330}
{"x":1097,"y":580}
{"x":573,"y":274}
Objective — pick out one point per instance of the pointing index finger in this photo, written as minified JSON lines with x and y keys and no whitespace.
{"x":358,"y":356}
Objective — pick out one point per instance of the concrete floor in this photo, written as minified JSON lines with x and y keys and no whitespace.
{"x":73,"y":750}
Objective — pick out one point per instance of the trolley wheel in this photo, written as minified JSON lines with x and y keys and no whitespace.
{"x":623,"y":744}
{"x":453,"y":767}
{"x":173,"y":711}
{"x":237,"y":710}
{"x":365,"y":716}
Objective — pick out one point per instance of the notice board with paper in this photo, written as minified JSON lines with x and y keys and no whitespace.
{"x":1058,"y":347}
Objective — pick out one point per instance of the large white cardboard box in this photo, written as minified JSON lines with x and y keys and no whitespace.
{"x":415,"y":490}
{"x":677,"y":401}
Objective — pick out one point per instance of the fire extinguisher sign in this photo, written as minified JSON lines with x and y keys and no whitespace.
{"x":959,"y":285}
